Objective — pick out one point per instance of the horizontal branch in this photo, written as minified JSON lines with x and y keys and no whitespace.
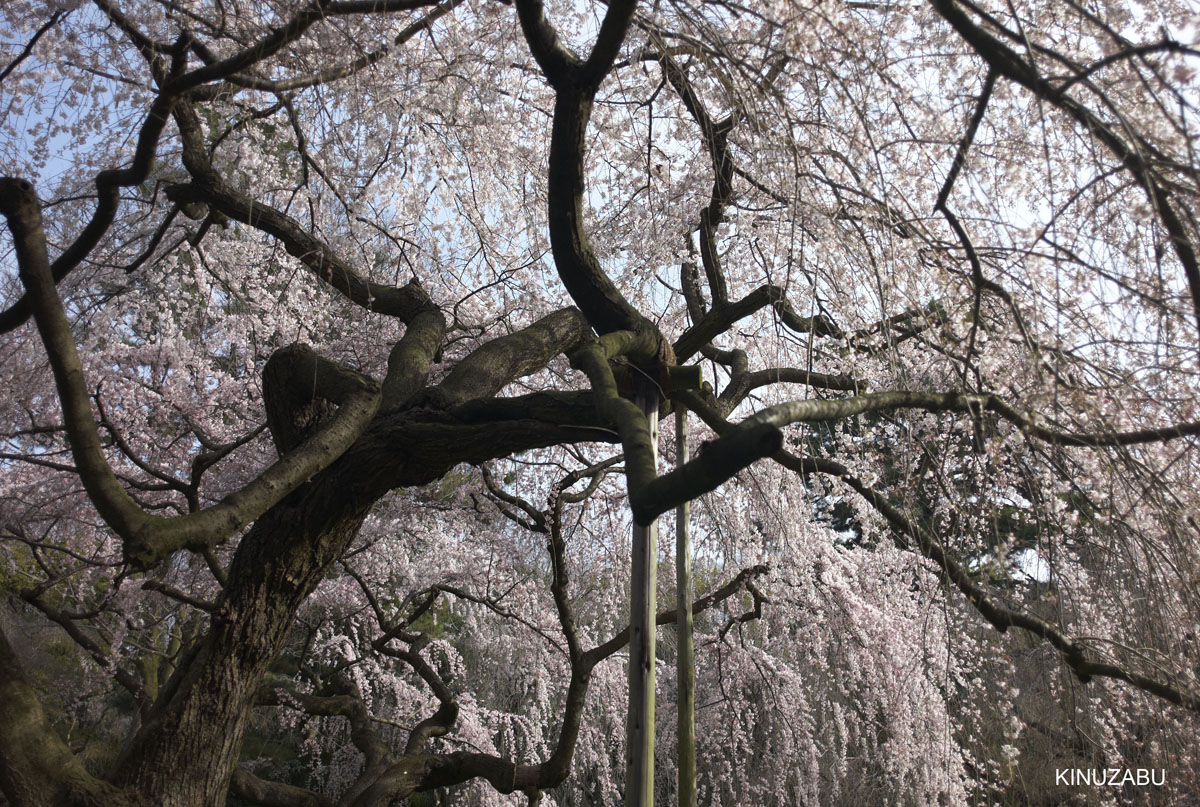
{"x":248,"y":787}
{"x":506,"y":358}
{"x":742,"y":384}
{"x":718,"y":320}
{"x":814,"y":411}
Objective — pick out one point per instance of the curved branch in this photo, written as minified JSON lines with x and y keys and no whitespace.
{"x":630,"y":423}
{"x":575,"y":86}
{"x":345,"y":699}
{"x":36,"y":767}
{"x":149,"y":538}
{"x":248,"y":787}
{"x":411,"y":357}
{"x":108,"y":188}
{"x":716,"y":139}
{"x":102,"y":656}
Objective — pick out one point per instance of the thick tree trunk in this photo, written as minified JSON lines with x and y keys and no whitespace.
{"x":185,"y":754}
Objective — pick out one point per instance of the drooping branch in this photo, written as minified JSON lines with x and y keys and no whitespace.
{"x":341,"y":698}
{"x":968,"y":138}
{"x":283,"y":35}
{"x":419,"y":770}
{"x":207,"y":187}
{"x":534,"y":520}
{"x":28,"y":49}
{"x":403,"y":302}
{"x":1132,"y":151}
{"x":1001,"y":616}
{"x":331,"y":74}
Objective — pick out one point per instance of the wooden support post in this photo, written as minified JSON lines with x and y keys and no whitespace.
{"x":685,"y":670}
{"x":639,"y":747}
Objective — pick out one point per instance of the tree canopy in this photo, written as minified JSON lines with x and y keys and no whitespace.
{"x":330,"y":332}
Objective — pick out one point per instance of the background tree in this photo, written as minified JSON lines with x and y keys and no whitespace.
{"x":322,"y":328}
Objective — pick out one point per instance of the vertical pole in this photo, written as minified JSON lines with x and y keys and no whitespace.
{"x":685,"y":670}
{"x":639,"y":745}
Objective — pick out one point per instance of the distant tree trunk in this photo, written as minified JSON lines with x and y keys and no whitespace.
{"x":685,"y":670}
{"x":639,"y":748}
